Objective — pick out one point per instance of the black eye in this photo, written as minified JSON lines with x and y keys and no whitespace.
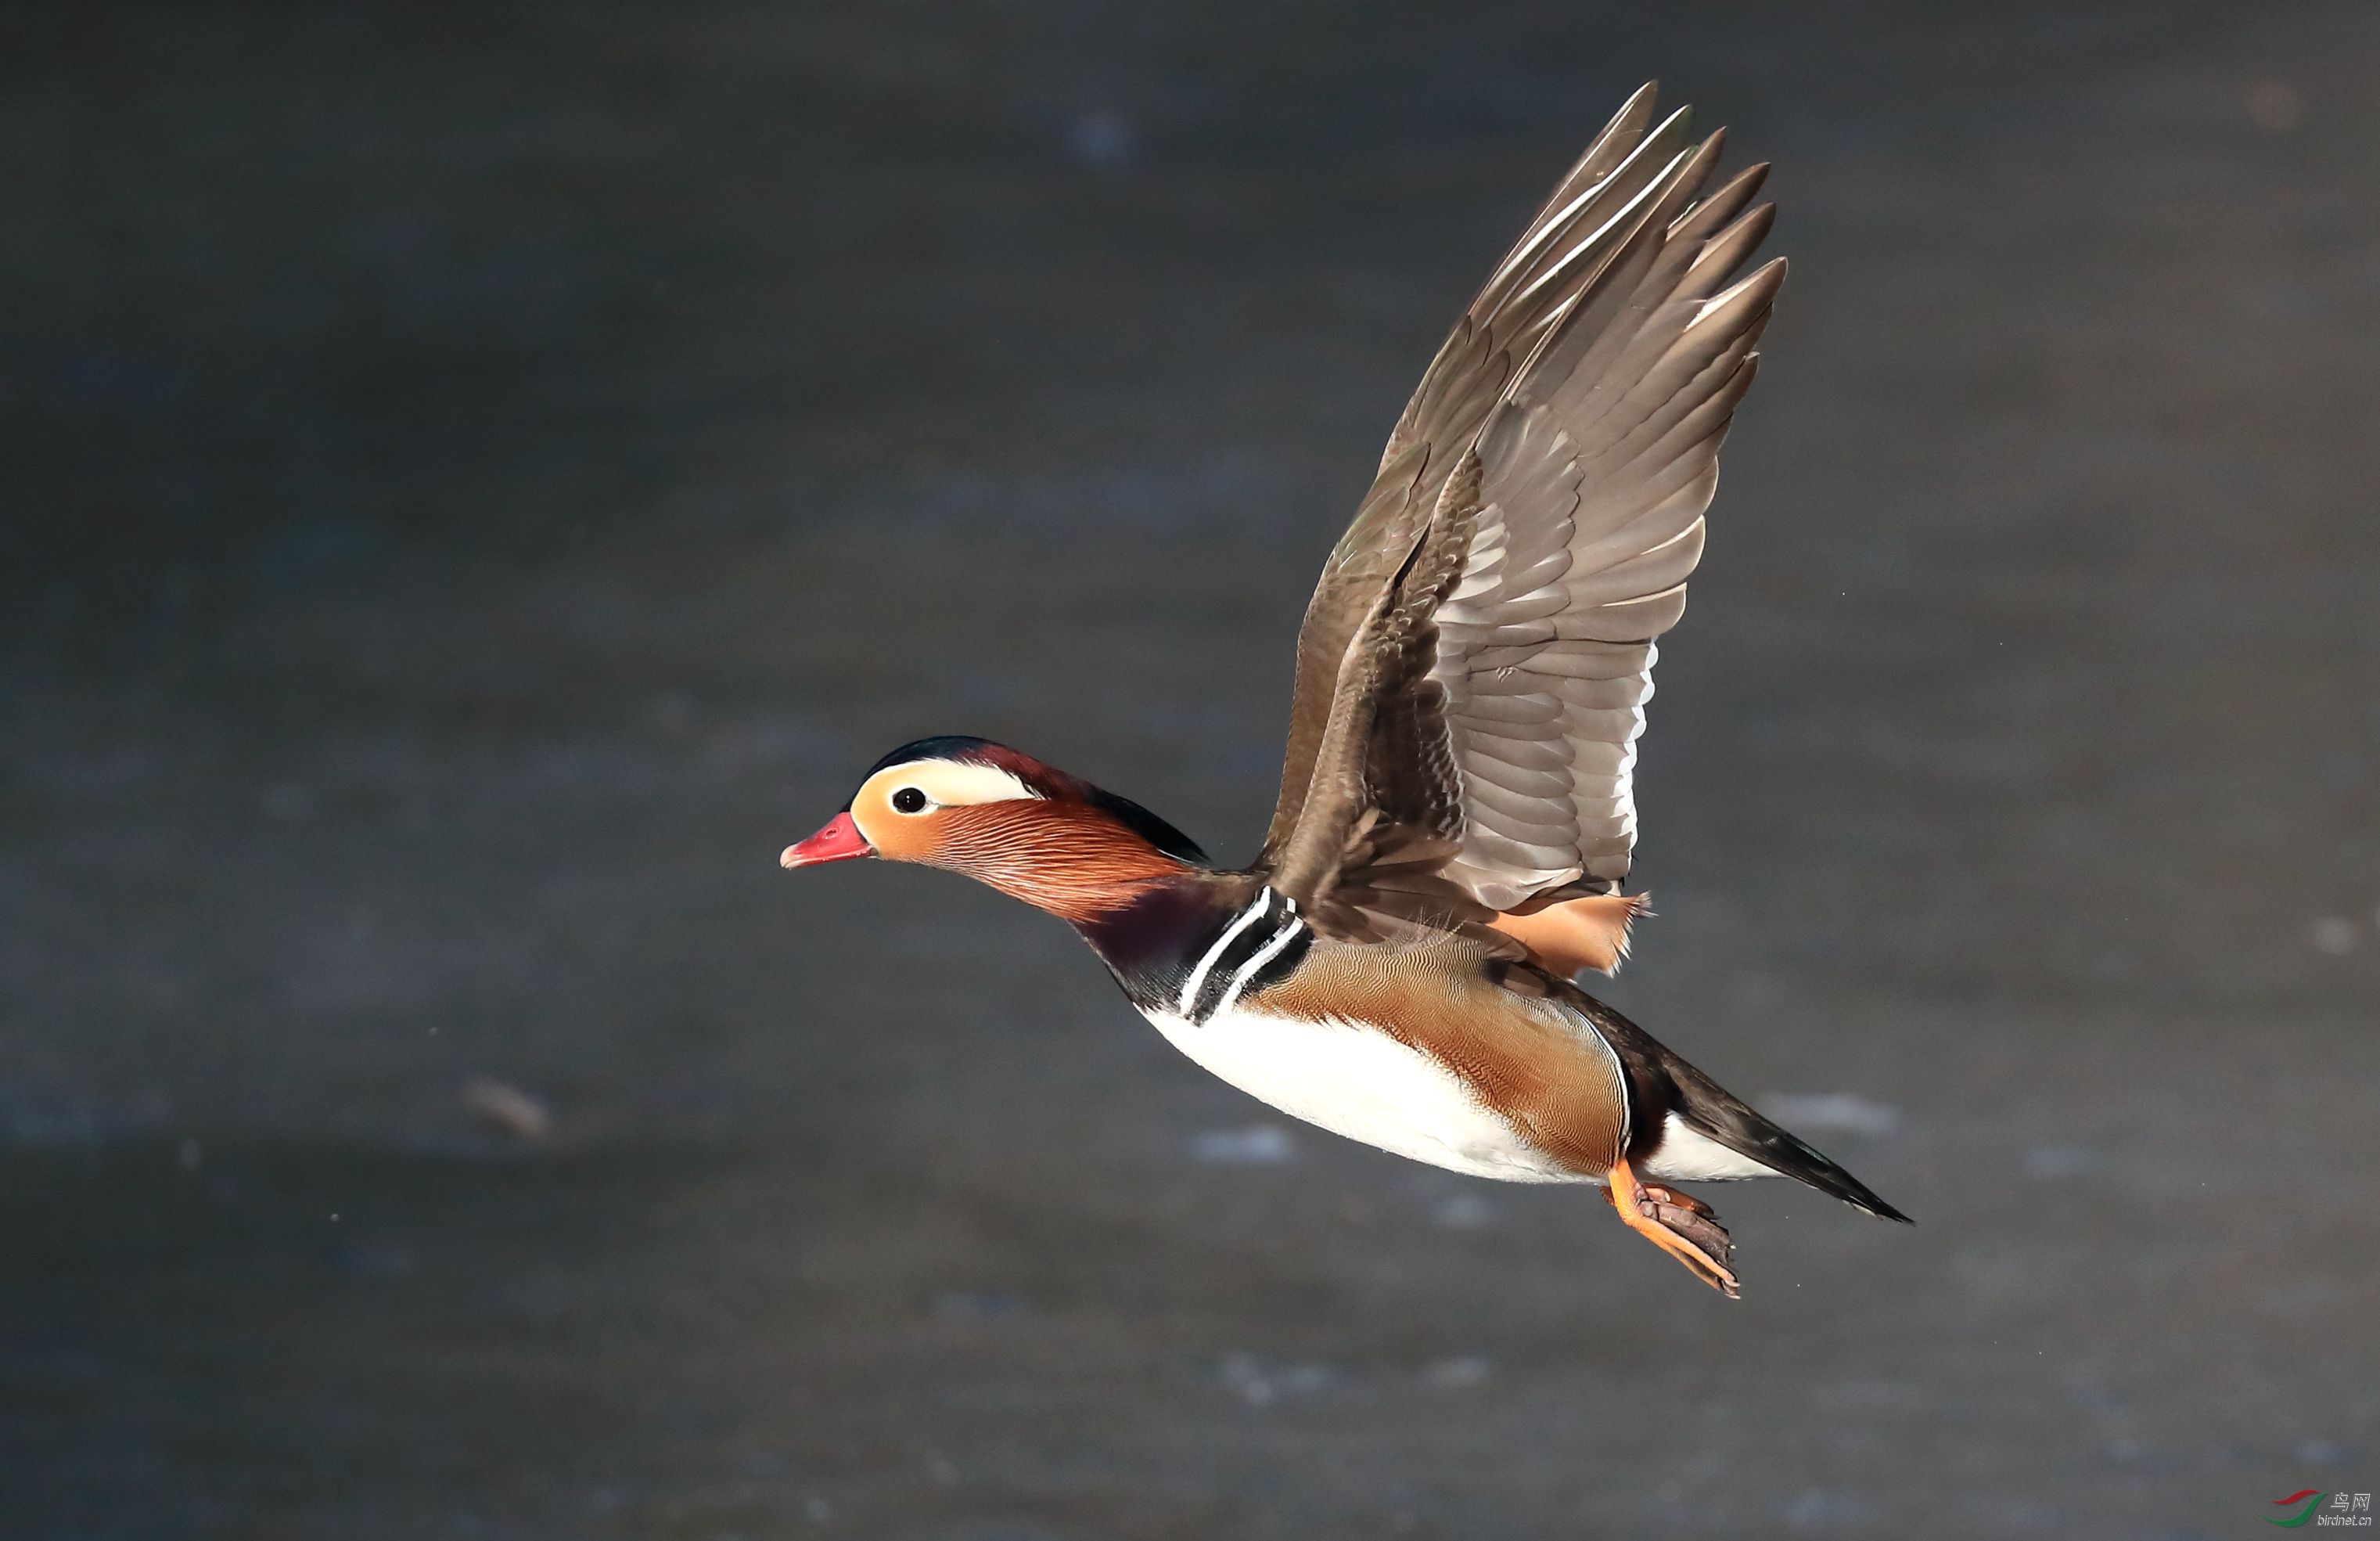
{"x":908,"y":799}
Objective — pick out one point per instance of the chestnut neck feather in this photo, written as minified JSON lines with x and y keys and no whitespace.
{"x":1071,"y":860}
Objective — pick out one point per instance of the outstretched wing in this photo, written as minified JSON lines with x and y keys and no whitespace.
{"x":1474,"y":666}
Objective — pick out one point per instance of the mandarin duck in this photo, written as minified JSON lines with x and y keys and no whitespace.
{"x":1456,"y":815}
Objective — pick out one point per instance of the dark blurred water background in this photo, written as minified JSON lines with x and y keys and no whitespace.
{"x":478,"y":480}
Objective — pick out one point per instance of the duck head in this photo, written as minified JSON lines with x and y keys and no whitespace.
{"x":1005,"y":819}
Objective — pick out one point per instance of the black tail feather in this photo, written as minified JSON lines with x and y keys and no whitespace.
{"x":1709,"y":1109}
{"x":1664,"y":1080}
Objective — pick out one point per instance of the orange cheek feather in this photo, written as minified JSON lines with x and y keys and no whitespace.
{"x":900,"y":837}
{"x":1070,"y":863}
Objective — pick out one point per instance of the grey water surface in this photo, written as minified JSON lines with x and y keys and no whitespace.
{"x":476,"y":482}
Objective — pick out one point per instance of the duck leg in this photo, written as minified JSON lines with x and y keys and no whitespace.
{"x":1678,"y":1223}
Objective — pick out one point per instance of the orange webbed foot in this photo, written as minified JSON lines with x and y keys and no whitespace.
{"x":1678,"y":1224}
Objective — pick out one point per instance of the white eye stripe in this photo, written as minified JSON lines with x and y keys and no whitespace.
{"x":956,"y":783}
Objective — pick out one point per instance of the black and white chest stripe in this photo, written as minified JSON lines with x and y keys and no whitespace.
{"x":1257,"y":947}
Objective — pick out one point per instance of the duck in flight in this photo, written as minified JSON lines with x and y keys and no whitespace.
{"x":1456,"y":814}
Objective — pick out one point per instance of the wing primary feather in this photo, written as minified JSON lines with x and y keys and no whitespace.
{"x":1718,"y":207}
{"x":1603,"y":153}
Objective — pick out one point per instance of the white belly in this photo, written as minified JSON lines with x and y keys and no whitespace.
{"x":1360,"y":1082}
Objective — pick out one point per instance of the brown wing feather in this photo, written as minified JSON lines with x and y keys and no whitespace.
{"x":1386,"y":810}
{"x":1600,"y":465}
{"x":1473,"y":667}
{"x":1555,"y":259}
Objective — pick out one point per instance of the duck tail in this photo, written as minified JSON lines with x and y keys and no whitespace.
{"x":1664,"y":1080}
{"x":1713,"y":1111}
